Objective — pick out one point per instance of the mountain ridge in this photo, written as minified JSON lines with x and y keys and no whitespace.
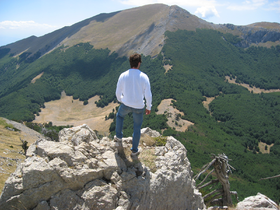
{"x":115,"y":31}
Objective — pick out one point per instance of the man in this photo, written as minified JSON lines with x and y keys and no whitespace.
{"x":132,"y":87}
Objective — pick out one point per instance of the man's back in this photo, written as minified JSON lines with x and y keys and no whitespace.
{"x":132,"y":87}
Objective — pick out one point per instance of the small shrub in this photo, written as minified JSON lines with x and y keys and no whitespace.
{"x":160,"y":141}
{"x":85,"y":102}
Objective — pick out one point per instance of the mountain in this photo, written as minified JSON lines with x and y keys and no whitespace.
{"x":190,"y":62}
{"x":139,"y":29}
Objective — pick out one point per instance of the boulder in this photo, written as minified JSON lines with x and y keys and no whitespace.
{"x":84,"y":172}
{"x":258,"y":202}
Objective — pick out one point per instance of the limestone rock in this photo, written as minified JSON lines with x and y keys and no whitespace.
{"x":150,"y":132}
{"x":84,"y":172}
{"x":258,"y":202}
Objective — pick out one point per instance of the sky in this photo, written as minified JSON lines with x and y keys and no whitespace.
{"x":20,"y":19}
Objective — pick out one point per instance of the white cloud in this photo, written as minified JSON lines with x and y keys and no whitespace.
{"x":205,"y":8}
{"x":191,"y":3}
{"x":248,"y":5}
{"x":207,"y":12}
{"x":24,"y":25}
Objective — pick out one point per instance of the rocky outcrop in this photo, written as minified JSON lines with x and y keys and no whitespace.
{"x":258,"y":202}
{"x":84,"y":172}
{"x":255,"y":35}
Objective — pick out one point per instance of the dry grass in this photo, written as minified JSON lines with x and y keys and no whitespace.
{"x":120,"y":29}
{"x":146,"y":157}
{"x":10,"y":146}
{"x":147,"y":140}
{"x":67,"y":111}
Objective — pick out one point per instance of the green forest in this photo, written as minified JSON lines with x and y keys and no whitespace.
{"x":237,"y":119}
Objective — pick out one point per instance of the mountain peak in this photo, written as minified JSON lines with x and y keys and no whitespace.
{"x":140,"y":29}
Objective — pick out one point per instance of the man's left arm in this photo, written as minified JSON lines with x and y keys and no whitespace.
{"x":119,"y":90}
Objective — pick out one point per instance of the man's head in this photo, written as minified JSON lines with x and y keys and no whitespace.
{"x":134,"y":60}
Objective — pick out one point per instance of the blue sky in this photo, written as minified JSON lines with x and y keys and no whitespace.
{"x":20,"y":19}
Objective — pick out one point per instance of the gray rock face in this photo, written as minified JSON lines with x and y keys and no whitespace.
{"x":258,"y":202}
{"x":251,"y":35}
{"x":84,"y":172}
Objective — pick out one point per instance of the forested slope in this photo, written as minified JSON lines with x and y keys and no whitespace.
{"x":238,"y":119}
{"x":200,"y":61}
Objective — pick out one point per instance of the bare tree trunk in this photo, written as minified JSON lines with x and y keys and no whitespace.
{"x":220,"y":167}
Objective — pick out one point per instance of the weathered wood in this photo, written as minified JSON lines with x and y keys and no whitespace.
{"x":236,"y":195}
{"x":212,"y":193}
{"x":271,"y":177}
{"x":205,"y":168}
{"x":221,"y":168}
{"x":218,"y":200}
{"x":205,"y":178}
{"x":208,"y":183}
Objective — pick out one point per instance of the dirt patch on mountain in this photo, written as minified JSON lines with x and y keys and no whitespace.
{"x":254,"y":89}
{"x":173,"y":116}
{"x":207,"y":102}
{"x":167,"y":67}
{"x":265,"y":148}
{"x":68,"y":111}
{"x":37,"y":77}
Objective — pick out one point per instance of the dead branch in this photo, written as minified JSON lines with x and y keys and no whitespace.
{"x":205,"y":168}
{"x":205,"y":178}
{"x":236,"y":195}
{"x":24,"y":145}
{"x":212,"y":193}
{"x":215,"y":197}
{"x":208,"y":183}
{"x":271,"y":177}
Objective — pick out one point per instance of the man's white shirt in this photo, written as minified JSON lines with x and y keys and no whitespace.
{"x":132,"y":87}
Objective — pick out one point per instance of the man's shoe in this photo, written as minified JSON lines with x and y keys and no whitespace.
{"x":116,"y":139}
{"x":134,"y":154}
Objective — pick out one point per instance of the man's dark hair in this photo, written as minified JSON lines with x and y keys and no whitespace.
{"x":134,"y":60}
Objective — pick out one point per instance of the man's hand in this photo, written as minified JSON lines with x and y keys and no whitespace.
{"x":148,"y":112}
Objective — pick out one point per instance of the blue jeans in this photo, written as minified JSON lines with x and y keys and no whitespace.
{"x":137,"y":122}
